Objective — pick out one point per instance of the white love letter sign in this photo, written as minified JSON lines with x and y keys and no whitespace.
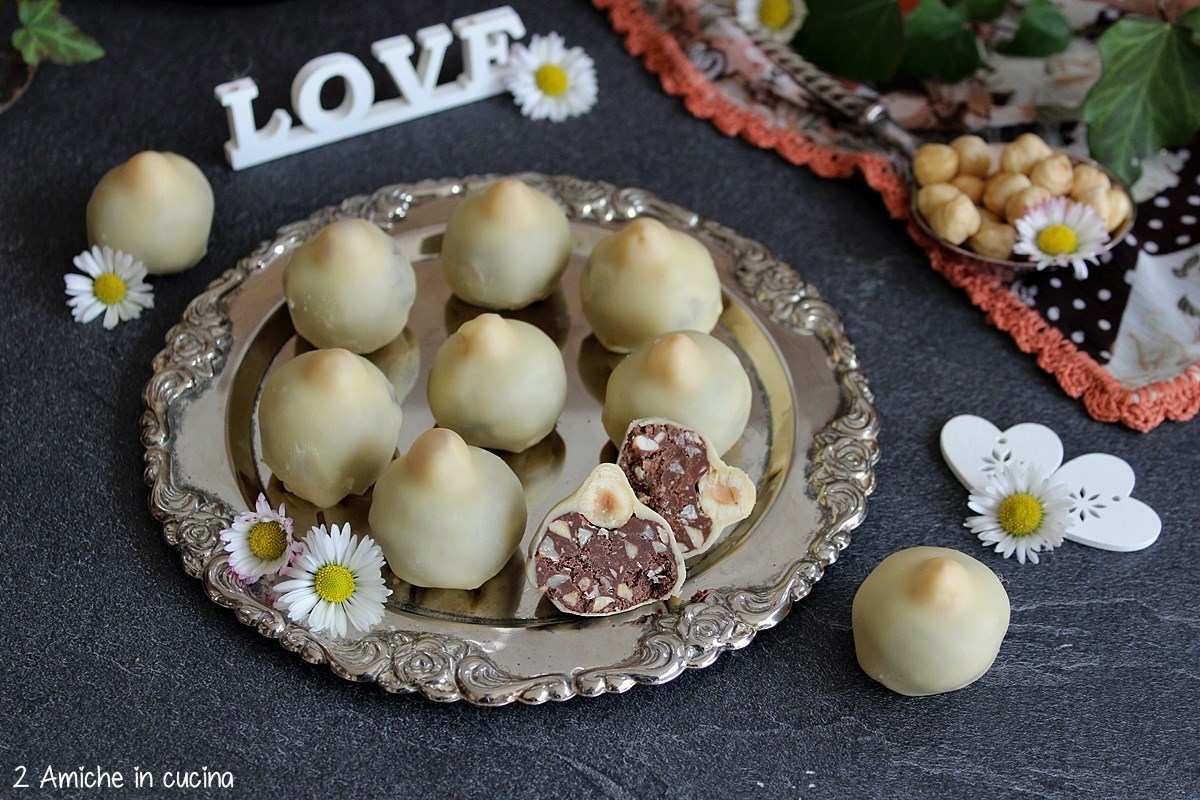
{"x":485,"y":39}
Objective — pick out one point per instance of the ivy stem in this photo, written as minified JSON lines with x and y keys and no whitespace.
{"x":19,"y":85}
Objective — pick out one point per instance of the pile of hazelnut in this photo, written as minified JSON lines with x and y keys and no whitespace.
{"x":965,"y":198}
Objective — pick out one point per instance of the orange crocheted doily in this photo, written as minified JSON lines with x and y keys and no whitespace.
{"x":1080,"y":376}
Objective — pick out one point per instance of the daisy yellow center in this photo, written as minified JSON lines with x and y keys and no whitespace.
{"x":109,"y":289}
{"x":268,"y":540}
{"x":551,"y":79}
{"x":774,"y":14}
{"x":1057,"y":240}
{"x":334,"y":583}
{"x":1020,"y":514}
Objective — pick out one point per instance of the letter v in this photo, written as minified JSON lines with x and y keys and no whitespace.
{"x":394,"y":53}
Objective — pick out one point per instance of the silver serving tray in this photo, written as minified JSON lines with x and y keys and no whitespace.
{"x":810,"y":446}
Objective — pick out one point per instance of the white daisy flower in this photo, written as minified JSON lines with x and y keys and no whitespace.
{"x":774,"y":19}
{"x":260,"y":542}
{"x":549,"y":81}
{"x":115,"y":285}
{"x":1021,"y":511}
{"x":1059,"y":232}
{"x":336,"y":580}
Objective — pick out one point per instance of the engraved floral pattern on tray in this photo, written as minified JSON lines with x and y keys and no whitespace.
{"x":445,"y":667}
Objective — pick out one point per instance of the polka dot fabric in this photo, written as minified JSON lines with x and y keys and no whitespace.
{"x":1089,"y":311}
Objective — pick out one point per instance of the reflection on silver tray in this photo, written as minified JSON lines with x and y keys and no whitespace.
{"x":810,"y":446}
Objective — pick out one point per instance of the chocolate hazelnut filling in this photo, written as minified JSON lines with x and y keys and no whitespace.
{"x":594,"y":570}
{"x":664,"y":464}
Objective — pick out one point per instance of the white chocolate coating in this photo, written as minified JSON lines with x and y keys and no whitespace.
{"x":507,"y":247}
{"x":929,"y":620}
{"x":498,"y":383}
{"x":687,"y":377}
{"x":330,"y":422}
{"x":400,"y":362}
{"x":349,"y":287}
{"x":447,"y":515}
{"x":646,"y":280}
{"x":157,"y":207}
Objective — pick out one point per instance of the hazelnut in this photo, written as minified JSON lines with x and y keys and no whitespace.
{"x":974,"y":156}
{"x":994,"y":240}
{"x":1000,"y":187}
{"x":1119,"y":209}
{"x":1023,"y":153}
{"x":935,"y":163}
{"x":1053,"y":174}
{"x":1020,"y":202}
{"x":934,"y":195}
{"x":970,"y":185}
{"x":956,"y":220}
{"x":1097,"y":198}
{"x":1087,"y":177}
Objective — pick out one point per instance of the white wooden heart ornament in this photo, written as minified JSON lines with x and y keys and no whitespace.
{"x":1104,"y":514}
{"x":975,"y":448}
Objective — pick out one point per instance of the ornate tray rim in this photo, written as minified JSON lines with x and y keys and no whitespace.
{"x":444,"y":667}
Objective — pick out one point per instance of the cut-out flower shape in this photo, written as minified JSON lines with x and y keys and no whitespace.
{"x":549,"y":81}
{"x":1021,"y":511}
{"x":336,"y":582}
{"x":774,"y":19}
{"x":1059,"y":232}
{"x":260,"y":542}
{"x":113,"y":285}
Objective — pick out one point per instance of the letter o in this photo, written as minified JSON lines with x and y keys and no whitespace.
{"x":311,"y":79}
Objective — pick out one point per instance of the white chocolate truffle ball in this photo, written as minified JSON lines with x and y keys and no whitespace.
{"x":499,"y":383}
{"x":330,"y":422}
{"x":157,"y":207}
{"x":929,"y":620}
{"x":506,"y":248}
{"x":400,"y":362}
{"x":349,"y":287}
{"x":687,"y":377}
{"x":447,"y":515}
{"x":646,"y":280}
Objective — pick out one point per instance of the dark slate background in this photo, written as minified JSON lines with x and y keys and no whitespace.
{"x":111,"y":656}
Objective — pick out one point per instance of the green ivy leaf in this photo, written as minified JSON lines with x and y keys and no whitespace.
{"x":1148,"y":96}
{"x":939,"y":45}
{"x":984,"y":10}
{"x":862,"y":40}
{"x":1042,"y":32}
{"x":46,"y":35}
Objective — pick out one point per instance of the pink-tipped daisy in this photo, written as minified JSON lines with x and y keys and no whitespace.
{"x":260,"y":542}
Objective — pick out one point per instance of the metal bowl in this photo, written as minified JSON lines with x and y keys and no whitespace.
{"x":1008,"y":268}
